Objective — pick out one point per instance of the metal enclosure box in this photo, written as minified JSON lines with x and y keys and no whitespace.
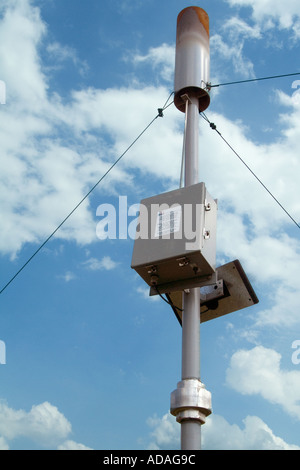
{"x":176,"y":236}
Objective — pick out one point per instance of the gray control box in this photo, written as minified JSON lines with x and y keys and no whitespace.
{"x":176,"y":236}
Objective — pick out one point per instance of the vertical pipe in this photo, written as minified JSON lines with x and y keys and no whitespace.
{"x":192,"y":142}
{"x":190,"y":429}
{"x":190,"y":83}
{"x":190,"y":435}
{"x":191,"y":335}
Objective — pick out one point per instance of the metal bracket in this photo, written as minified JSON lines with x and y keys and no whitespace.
{"x":176,"y":286}
{"x":185,"y":97}
{"x":211,"y":292}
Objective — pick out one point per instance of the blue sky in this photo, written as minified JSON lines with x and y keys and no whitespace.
{"x":90,"y":360}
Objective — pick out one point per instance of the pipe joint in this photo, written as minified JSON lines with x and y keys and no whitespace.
{"x":191,"y":401}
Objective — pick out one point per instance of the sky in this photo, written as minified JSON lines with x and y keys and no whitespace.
{"x":87,"y":359}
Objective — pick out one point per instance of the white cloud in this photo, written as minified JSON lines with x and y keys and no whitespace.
{"x":144,"y":291}
{"x":71,"y":445}
{"x":258,"y":372}
{"x":105,"y":263}
{"x":42,"y":177}
{"x":3,"y":444}
{"x":284,"y":310}
{"x":43,"y":424}
{"x":165,"y":434}
{"x":68,"y":276}
{"x":233,"y":53}
{"x":286,"y":14}
{"x":43,"y":181}
{"x":218,"y":434}
{"x":61,"y":54}
{"x":229,"y":44}
{"x":21,"y":30}
{"x":36,"y":186}
{"x":238,"y":29}
{"x":161,"y":58}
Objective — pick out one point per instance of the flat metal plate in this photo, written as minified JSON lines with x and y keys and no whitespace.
{"x":238,"y":294}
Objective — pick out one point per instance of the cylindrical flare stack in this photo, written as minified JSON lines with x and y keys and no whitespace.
{"x":192,"y":63}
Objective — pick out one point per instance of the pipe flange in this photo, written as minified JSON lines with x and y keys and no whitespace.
{"x":191,"y":401}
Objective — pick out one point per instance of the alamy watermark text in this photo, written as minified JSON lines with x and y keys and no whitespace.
{"x":150,"y":222}
{"x":2,"y":92}
{"x":296,"y":353}
{"x":2,"y":352}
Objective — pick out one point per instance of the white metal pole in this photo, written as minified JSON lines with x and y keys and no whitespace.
{"x":190,"y":402}
{"x":192,"y":141}
{"x":190,"y":428}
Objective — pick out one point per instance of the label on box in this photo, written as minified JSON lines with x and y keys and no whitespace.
{"x":168,"y":221}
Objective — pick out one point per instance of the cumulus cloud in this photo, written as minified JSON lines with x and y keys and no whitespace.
{"x":286,"y":15}
{"x":237,"y":28}
{"x":218,"y":434}
{"x":39,"y":181}
{"x":251,"y":372}
{"x":233,"y":52}
{"x":258,"y":372}
{"x":53,"y":152}
{"x":165,"y":433}
{"x":161,"y":58}
{"x":44,"y":424}
{"x":21,"y":31}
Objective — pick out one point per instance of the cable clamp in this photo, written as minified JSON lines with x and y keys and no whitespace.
{"x":207,"y":86}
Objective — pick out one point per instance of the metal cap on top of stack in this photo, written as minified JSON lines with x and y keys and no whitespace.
{"x":192,"y":62}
